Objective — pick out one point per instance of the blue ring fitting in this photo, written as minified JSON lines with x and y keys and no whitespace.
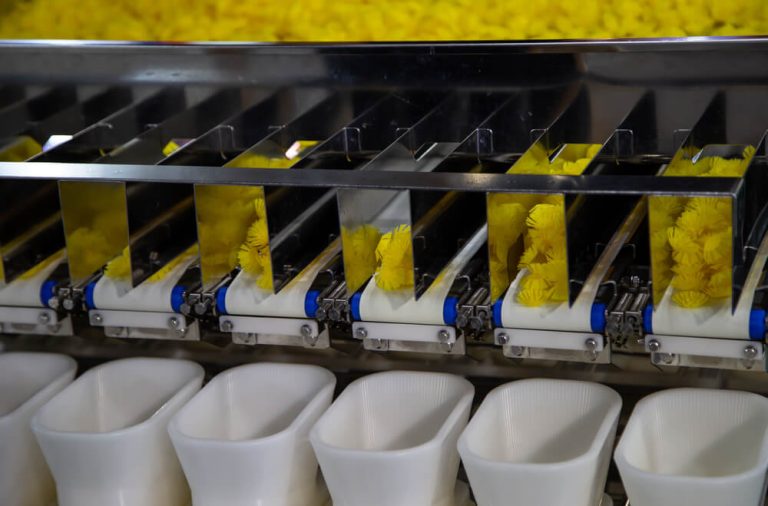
{"x":89,"y":289}
{"x":177,"y":298}
{"x":648,"y":319}
{"x":449,"y":310}
{"x":354,"y":306}
{"x":310,"y":303}
{"x":496,"y":310}
{"x":597,"y":317}
{"x":47,"y":291}
{"x":757,"y":324}
{"x":221,"y":300}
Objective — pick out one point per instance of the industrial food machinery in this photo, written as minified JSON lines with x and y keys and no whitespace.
{"x":593,"y":210}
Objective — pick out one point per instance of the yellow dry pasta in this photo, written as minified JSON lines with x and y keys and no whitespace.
{"x":692,"y":238}
{"x":529,"y":232}
{"x":374,"y":20}
{"x":394,"y":259}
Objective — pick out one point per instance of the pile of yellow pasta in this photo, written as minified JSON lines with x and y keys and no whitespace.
{"x":692,"y":237}
{"x":388,"y":256}
{"x":540,"y":221}
{"x":232,"y":224}
{"x":377,"y":20}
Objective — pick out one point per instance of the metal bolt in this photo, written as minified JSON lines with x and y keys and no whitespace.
{"x":97,"y":318}
{"x":53,"y":302}
{"x":181,"y":333}
{"x":173,"y":322}
{"x":379,"y":344}
{"x":321,"y":314}
{"x":654,"y":346}
{"x":68,"y":304}
{"x":201,"y":308}
{"x":361,"y":333}
{"x":44,"y":318}
{"x":185,"y":308}
{"x":306,"y":331}
{"x":591,"y":344}
{"x":750,"y":352}
{"x":502,"y":338}
{"x":667,"y":358}
{"x":443,"y":336}
{"x":227,"y":326}
{"x":517,"y":351}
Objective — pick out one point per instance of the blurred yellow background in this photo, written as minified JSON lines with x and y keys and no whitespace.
{"x":377,"y":20}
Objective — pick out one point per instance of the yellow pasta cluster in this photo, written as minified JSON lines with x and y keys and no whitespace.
{"x":359,"y":246}
{"x":368,"y":20}
{"x":232,"y":222}
{"x":96,"y":223}
{"x":540,"y":221}
{"x":231,"y":227}
{"x":254,"y":256}
{"x":394,"y":259}
{"x":692,"y":238}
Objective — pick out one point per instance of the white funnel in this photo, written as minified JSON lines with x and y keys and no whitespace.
{"x":27,"y":381}
{"x":541,"y":442}
{"x":696,"y":446}
{"x":105,"y":436}
{"x":244,"y":439}
{"x":390,"y":439}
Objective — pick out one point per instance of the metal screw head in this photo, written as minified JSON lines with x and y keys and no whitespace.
{"x":97,"y":318}
{"x":306,"y":331}
{"x":185,"y":308}
{"x":443,"y":336}
{"x":44,"y":318}
{"x":654,"y":345}
{"x":227,"y":326}
{"x":201,"y":308}
{"x":517,"y":351}
{"x":68,"y":304}
{"x":591,"y":344}
{"x":750,"y":352}
{"x":53,"y":302}
{"x":502,"y":339}
{"x":173,"y":322}
{"x":361,"y":333}
{"x":321,"y":314}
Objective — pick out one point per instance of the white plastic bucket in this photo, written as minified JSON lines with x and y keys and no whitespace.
{"x":541,"y":442}
{"x":105,"y":436}
{"x":696,"y":446}
{"x":27,"y":381}
{"x":244,"y":439}
{"x":390,"y":439}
